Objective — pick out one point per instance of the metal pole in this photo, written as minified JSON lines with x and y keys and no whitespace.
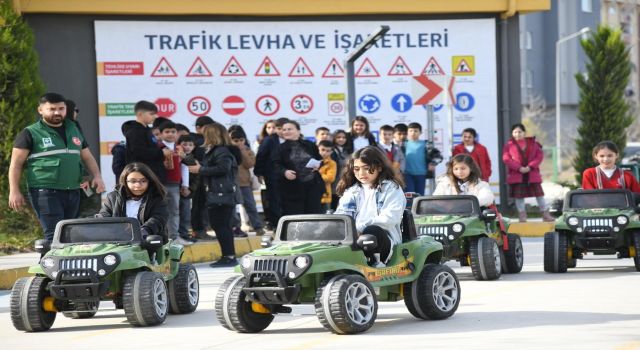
{"x":430,"y":132}
{"x":351,"y":90}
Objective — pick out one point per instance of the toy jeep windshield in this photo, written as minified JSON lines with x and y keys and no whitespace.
{"x":472,"y":235}
{"x":99,"y":259}
{"x":601,"y":222}
{"x":320,"y":260}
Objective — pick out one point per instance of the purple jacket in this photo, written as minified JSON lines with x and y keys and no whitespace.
{"x":513,"y":160}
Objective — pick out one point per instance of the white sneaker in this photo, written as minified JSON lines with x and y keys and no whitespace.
{"x":379,"y":265}
{"x":182,"y":241}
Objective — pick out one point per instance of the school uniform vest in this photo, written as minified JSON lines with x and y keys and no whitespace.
{"x":52,"y":164}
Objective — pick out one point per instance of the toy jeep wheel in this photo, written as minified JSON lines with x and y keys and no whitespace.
{"x":27,"y":313}
{"x":145,"y":299}
{"x":234,"y":312}
{"x":184,"y":290}
{"x":636,"y":245}
{"x":514,"y":257}
{"x":555,"y":252}
{"x":434,"y":295}
{"x":346,"y":304}
{"x":485,"y":259}
{"x":83,"y":310}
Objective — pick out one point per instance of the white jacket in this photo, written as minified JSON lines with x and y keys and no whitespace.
{"x":482,"y":190}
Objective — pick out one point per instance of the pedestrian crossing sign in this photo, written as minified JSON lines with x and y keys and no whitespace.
{"x":463,"y":65}
{"x":432,"y":67}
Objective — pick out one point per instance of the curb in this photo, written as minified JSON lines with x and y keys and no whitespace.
{"x":195,"y":253}
{"x":531,"y":229}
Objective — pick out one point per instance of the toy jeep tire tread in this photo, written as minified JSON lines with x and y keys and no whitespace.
{"x":83,"y":310}
{"x":233,"y":310}
{"x":435,"y":295}
{"x":514,"y":257}
{"x":346,"y":304}
{"x":485,"y":259}
{"x":555,"y":252}
{"x":145,"y":299}
{"x":636,"y":244}
{"x":27,"y":313}
{"x":184,"y":290}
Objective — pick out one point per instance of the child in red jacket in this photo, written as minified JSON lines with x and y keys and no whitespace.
{"x":607,"y":174}
{"x":477,"y":151}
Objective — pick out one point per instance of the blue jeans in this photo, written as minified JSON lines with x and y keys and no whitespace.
{"x":52,"y":206}
{"x":173,"y":205}
{"x":250,"y":207}
{"x":415,"y":183}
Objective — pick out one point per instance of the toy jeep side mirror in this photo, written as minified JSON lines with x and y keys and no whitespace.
{"x":367,"y":242}
{"x":265,"y":242}
{"x":488,"y":215}
{"x":153,"y":241}
{"x":555,"y":209}
{"x":42,"y":246}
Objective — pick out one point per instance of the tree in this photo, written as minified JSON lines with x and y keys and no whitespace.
{"x":603,"y":111}
{"x":20,"y":87}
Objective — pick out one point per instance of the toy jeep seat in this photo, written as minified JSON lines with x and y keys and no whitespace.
{"x":408,"y":226}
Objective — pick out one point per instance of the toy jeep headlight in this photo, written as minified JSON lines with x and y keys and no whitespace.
{"x":246,"y":262}
{"x":48,"y":263}
{"x":457,"y":227}
{"x":301,"y":262}
{"x":622,"y":220}
{"x":573,"y":221}
{"x":110,"y":260}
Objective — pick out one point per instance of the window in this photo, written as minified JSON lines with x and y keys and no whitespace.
{"x":586,"y":6}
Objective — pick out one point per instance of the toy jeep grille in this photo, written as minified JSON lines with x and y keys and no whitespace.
{"x":439,"y":233}
{"x":603,"y":225}
{"x":80,"y":264}
{"x":271,"y":264}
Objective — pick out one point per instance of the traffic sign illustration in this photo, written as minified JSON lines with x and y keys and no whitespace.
{"x":166,"y":107}
{"x":267,"y":105}
{"x":401,"y":103}
{"x":464,"y":102}
{"x":369,"y":103}
{"x":199,"y":106}
{"x":333,"y":70}
{"x":233,"y":105}
{"x":164,"y":70}
{"x":300,"y":69}
{"x":301,"y":104}
{"x":399,"y":67}
{"x":463,"y":65}
{"x":367,"y":70}
{"x":432,"y":67}
{"x":336,"y":103}
{"x":233,"y":69}
{"x":267,"y":69}
{"x":199,"y":69}
{"x":425,"y":90}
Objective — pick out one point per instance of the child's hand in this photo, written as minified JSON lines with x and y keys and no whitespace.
{"x":184,"y":191}
{"x":290,"y":174}
{"x":194,"y":168}
{"x":524,"y":169}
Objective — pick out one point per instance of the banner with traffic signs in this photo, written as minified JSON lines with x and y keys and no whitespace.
{"x":249,"y":72}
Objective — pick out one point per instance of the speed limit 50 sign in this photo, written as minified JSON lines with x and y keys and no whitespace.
{"x":199,"y":106}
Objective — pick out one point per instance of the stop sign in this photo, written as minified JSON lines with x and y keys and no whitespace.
{"x":166,"y":107}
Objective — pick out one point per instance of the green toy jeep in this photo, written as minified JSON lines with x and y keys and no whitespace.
{"x":470,"y":234}
{"x":320,"y":260}
{"x":599,"y":221}
{"x":92,"y":260}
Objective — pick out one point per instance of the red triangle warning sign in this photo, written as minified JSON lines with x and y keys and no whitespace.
{"x":164,"y":70}
{"x":432,"y":68}
{"x":199,"y":69}
{"x":233,"y":69}
{"x":300,"y":69}
{"x":334,"y":70}
{"x":399,"y":67}
{"x":267,"y":69}
{"x":367,"y":70}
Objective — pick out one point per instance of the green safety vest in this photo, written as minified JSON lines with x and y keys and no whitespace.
{"x":52,"y":164}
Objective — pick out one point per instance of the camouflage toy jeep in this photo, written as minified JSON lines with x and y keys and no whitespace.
{"x":92,"y":260}
{"x":597,"y":221}
{"x":469,"y":234}
{"x":320,"y":260}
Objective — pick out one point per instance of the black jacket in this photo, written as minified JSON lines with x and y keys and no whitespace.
{"x":282,"y":162}
{"x":264,"y":166}
{"x":142,"y":147}
{"x":152,"y":215}
{"x":219,"y":168}
{"x":348,"y":147}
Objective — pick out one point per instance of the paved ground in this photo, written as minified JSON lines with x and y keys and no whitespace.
{"x":595,"y":306}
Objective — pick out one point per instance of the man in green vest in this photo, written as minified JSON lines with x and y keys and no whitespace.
{"x":54,"y":151}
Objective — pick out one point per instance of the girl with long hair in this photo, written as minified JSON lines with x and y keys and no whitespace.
{"x":464,"y":177}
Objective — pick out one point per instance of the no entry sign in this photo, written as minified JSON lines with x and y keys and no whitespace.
{"x":233,"y":105}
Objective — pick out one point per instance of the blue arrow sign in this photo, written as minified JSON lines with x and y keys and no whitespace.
{"x":401,"y":103}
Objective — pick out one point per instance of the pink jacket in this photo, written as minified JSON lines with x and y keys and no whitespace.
{"x":513,"y":160}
